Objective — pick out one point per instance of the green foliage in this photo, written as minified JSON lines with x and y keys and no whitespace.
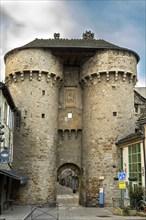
{"x":126,"y":209}
{"x":135,"y":194}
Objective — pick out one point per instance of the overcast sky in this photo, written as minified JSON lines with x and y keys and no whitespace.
{"x":121,"y":22}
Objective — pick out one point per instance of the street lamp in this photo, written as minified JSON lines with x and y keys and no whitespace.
{"x":4,"y":156}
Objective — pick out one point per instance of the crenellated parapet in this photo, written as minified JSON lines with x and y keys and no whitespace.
{"x":69,"y":133}
{"x":108,"y":76}
{"x":32,"y":75}
{"x":34,"y":63}
{"x":108,"y":63}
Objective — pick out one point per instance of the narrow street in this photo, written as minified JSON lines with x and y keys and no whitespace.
{"x":66,"y":197}
{"x":68,"y":209}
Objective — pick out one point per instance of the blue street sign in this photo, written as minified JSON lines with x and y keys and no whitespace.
{"x":122,"y":176}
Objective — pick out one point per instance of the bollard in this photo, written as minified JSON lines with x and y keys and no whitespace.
{"x":101,"y":197}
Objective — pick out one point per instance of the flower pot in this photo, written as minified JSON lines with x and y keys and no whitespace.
{"x":116,"y":178}
{"x":132,"y":178}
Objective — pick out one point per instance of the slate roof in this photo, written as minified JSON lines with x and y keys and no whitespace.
{"x":130,"y":137}
{"x":85,"y":44}
{"x":8,"y":96}
{"x":142,"y":98}
{"x":14,"y":175}
{"x":70,"y":43}
{"x":141,"y":91}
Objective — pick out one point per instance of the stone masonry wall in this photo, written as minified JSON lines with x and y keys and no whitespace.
{"x":108,"y":110}
{"x":33,"y":60}
{"x":37,"y":97}
{"x":69,"y":148}
{"x":110,"y":61}
{"x":72,"y":114}
{"x":70,"y":101}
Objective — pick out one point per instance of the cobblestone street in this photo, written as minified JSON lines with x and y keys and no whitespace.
{"x":68,"y":209}
{"x":65,"y":196}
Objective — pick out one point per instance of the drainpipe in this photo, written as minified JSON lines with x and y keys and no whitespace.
{"x":142,"y":123}
{"x":144,"y":154}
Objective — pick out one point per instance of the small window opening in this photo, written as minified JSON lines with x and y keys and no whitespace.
{"x":136,"y":130}
{"x":136,"y":108}
{"x":69,"y":115}
{"x":114,"y":113}
{"x":43,"y":115}
{"x":43,"y":92}
{"x":113,"y":87}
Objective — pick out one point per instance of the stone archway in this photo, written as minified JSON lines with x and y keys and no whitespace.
{"x":69,"y":179}
{"x":71,"y":166}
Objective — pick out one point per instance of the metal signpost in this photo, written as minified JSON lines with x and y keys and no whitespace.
{"x":122,"y":186}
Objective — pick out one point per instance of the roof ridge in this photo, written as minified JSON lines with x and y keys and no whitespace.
{"x":84,"y":43}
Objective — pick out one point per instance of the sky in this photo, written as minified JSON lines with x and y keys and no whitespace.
{"x":121,"y":22}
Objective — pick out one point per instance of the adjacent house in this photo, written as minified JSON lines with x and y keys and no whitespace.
{"x":133,"y":148}
{"x":139,"y":102}
{"x":8,"y":111}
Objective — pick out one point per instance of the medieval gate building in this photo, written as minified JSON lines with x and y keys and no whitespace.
{"x":76,"y":100}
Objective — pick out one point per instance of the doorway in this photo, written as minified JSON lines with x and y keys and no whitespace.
{"x":68,"y":185}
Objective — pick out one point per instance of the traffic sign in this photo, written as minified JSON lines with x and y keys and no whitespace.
{"x":122,"y":185}
{"x":122,"y":176}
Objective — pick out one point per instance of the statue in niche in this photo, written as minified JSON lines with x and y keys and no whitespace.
{"x":70,"y":98}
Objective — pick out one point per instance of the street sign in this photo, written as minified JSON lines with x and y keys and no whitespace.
{"x":122,"y":176}
{"x":122,"y":185}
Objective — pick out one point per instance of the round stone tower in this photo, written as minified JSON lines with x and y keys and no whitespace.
{"x":34,"y":76}
{"x":107,"y":79}
{"x":93,"y":109}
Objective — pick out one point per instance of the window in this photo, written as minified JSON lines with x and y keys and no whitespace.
{"x":43,"y":115}
{"x":114,"y":113}
{"x":17,"y":119}
{"x":5,"y":113}
{"x":113,"y":87}
{"x":135,"y":162}
{"x":11,"y":117}
{"x":136,"y":109}
{"x":69,"y":115}
{"x":43,"y":92}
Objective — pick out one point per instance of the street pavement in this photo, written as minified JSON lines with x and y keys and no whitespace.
{"x":68,"y":209}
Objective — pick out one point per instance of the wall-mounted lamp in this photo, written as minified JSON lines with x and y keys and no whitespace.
{"x":4,"y":156}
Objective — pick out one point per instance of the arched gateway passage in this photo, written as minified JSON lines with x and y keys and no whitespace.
{"x":68,"y":180}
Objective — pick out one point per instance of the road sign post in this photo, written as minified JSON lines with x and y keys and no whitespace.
{"x":122,"y":176}
{"x":122,"y":186}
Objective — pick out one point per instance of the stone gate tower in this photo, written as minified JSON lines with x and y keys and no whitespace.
{"x":76,"y":100}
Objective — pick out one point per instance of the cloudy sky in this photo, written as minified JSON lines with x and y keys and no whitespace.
{"x":121,"y":22}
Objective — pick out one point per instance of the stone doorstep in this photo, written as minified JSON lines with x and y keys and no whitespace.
{"x":122,"y":212}
{"x":119,"y":211}
{"x":141,"y":214}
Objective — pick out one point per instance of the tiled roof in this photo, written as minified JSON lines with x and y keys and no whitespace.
{"x":72,"y":43}
{"x":7,"y":95}
{"x":141,"y":91}
{"x":130,"y":137}
{"x":141,"y":97}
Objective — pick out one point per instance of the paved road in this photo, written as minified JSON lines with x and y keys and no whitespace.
{"x":68,"y":209}
{"x":66,"y":197}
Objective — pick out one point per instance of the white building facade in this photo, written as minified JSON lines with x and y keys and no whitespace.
{"x":7,"y":109}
